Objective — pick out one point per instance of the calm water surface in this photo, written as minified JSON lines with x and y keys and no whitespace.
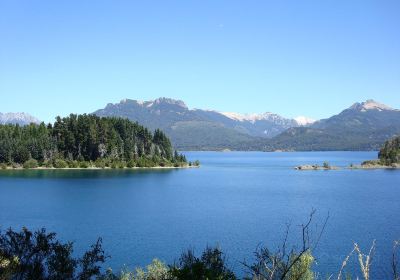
{"x":236,"y":200}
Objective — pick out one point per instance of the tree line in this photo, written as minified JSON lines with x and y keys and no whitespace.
{"x":83,"y":140}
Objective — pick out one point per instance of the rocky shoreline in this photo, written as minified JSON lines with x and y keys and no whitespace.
{"x":365,"y":166}
{"x":315,"y":167}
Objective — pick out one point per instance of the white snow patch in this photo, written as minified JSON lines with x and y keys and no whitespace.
{"x":302,"y":120}
{"x":250,"y":117}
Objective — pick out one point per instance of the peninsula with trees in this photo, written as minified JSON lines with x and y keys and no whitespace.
{"x":86,"y":141}
{"x":388,"y":157}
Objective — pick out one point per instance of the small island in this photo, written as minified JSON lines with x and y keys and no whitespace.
{"x":324,"y":166}
{"x":87,"y":141}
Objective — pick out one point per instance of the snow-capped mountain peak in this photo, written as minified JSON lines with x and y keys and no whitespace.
{"x":371,"y":104}
{"x":304,"y":121}
{"x":251,"y":117}
{"x":17,"y":118}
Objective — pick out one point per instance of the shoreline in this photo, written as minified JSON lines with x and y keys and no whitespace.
{"x":99,"y":168}
{"x":309,"y":167}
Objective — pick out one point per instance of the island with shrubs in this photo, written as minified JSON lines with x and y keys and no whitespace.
{"x":87,"y":141}
{"x":388,"y":158}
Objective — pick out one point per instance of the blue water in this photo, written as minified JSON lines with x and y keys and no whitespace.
{"x":237,"y":200}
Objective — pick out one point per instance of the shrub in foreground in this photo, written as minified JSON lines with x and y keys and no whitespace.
{"x":39,"y":255}
{"x":211,"y":265}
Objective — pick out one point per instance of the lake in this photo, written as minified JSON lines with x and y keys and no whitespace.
{"x":237,"y":200}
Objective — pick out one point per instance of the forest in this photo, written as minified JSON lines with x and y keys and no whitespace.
{"x":82,"y":141}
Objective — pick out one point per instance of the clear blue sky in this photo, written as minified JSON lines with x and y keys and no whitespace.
{"x":294,"y":58}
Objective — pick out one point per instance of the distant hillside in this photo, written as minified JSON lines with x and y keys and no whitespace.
{"x":201,"y":129}
{"x":17,"y":118}
{"x":363,"y":126}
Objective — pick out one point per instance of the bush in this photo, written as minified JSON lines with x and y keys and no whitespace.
{"x":84,"y":164}
{"x":99,"y":163}
{"x":145,"y":162}
{"x":121,"y":164}
{"x":3,"y":166}
{"x":196,"y":163}
{"x":211,"y":265}
{"x":15,"y":165}
{"x":73,"y":164}
{"x":326,"y":165}
{"x":157,"y":270}
{"x":131,"y":164}
{"x":31,"y":163}
{"x":59,"y":163}
{"x":47,"y":164}
{"x":39,"y":255}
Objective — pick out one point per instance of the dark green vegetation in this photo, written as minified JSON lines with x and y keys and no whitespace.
{"x":363,"y":126}
{"x":82,"y":141}
{"x":40,"y":256}
{"x":388,"y":157}
{"x":390,"y":152}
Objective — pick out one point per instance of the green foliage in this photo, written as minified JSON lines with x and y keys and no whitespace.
{"x":390,"y":152}
{"x":59,"y":163}
{"x":196,"y":163}
{"x":301,"y":270}
{"x":39,"y":255}
{"x":132,"y":164}
{"x":86,"y":138}
{"x":121,"y":164}
{"x":84,"y":164}
{"x":326,"y":165}
{"x":73,"y":164}
{"x":47,"y":164}
{"x":157,"y":270}
{"x":3,"y":166}
{"x":145,"y":162}
{"x":31,"y":163}
{"x":100,"y":163}
{"x":211,"y":265}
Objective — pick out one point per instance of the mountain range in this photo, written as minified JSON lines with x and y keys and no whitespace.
{"x":362,"y":126}
{"x":201,"y":129}
{"x":17,"y":118}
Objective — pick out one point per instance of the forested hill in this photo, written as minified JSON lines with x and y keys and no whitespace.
{"x":88,"y":139}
